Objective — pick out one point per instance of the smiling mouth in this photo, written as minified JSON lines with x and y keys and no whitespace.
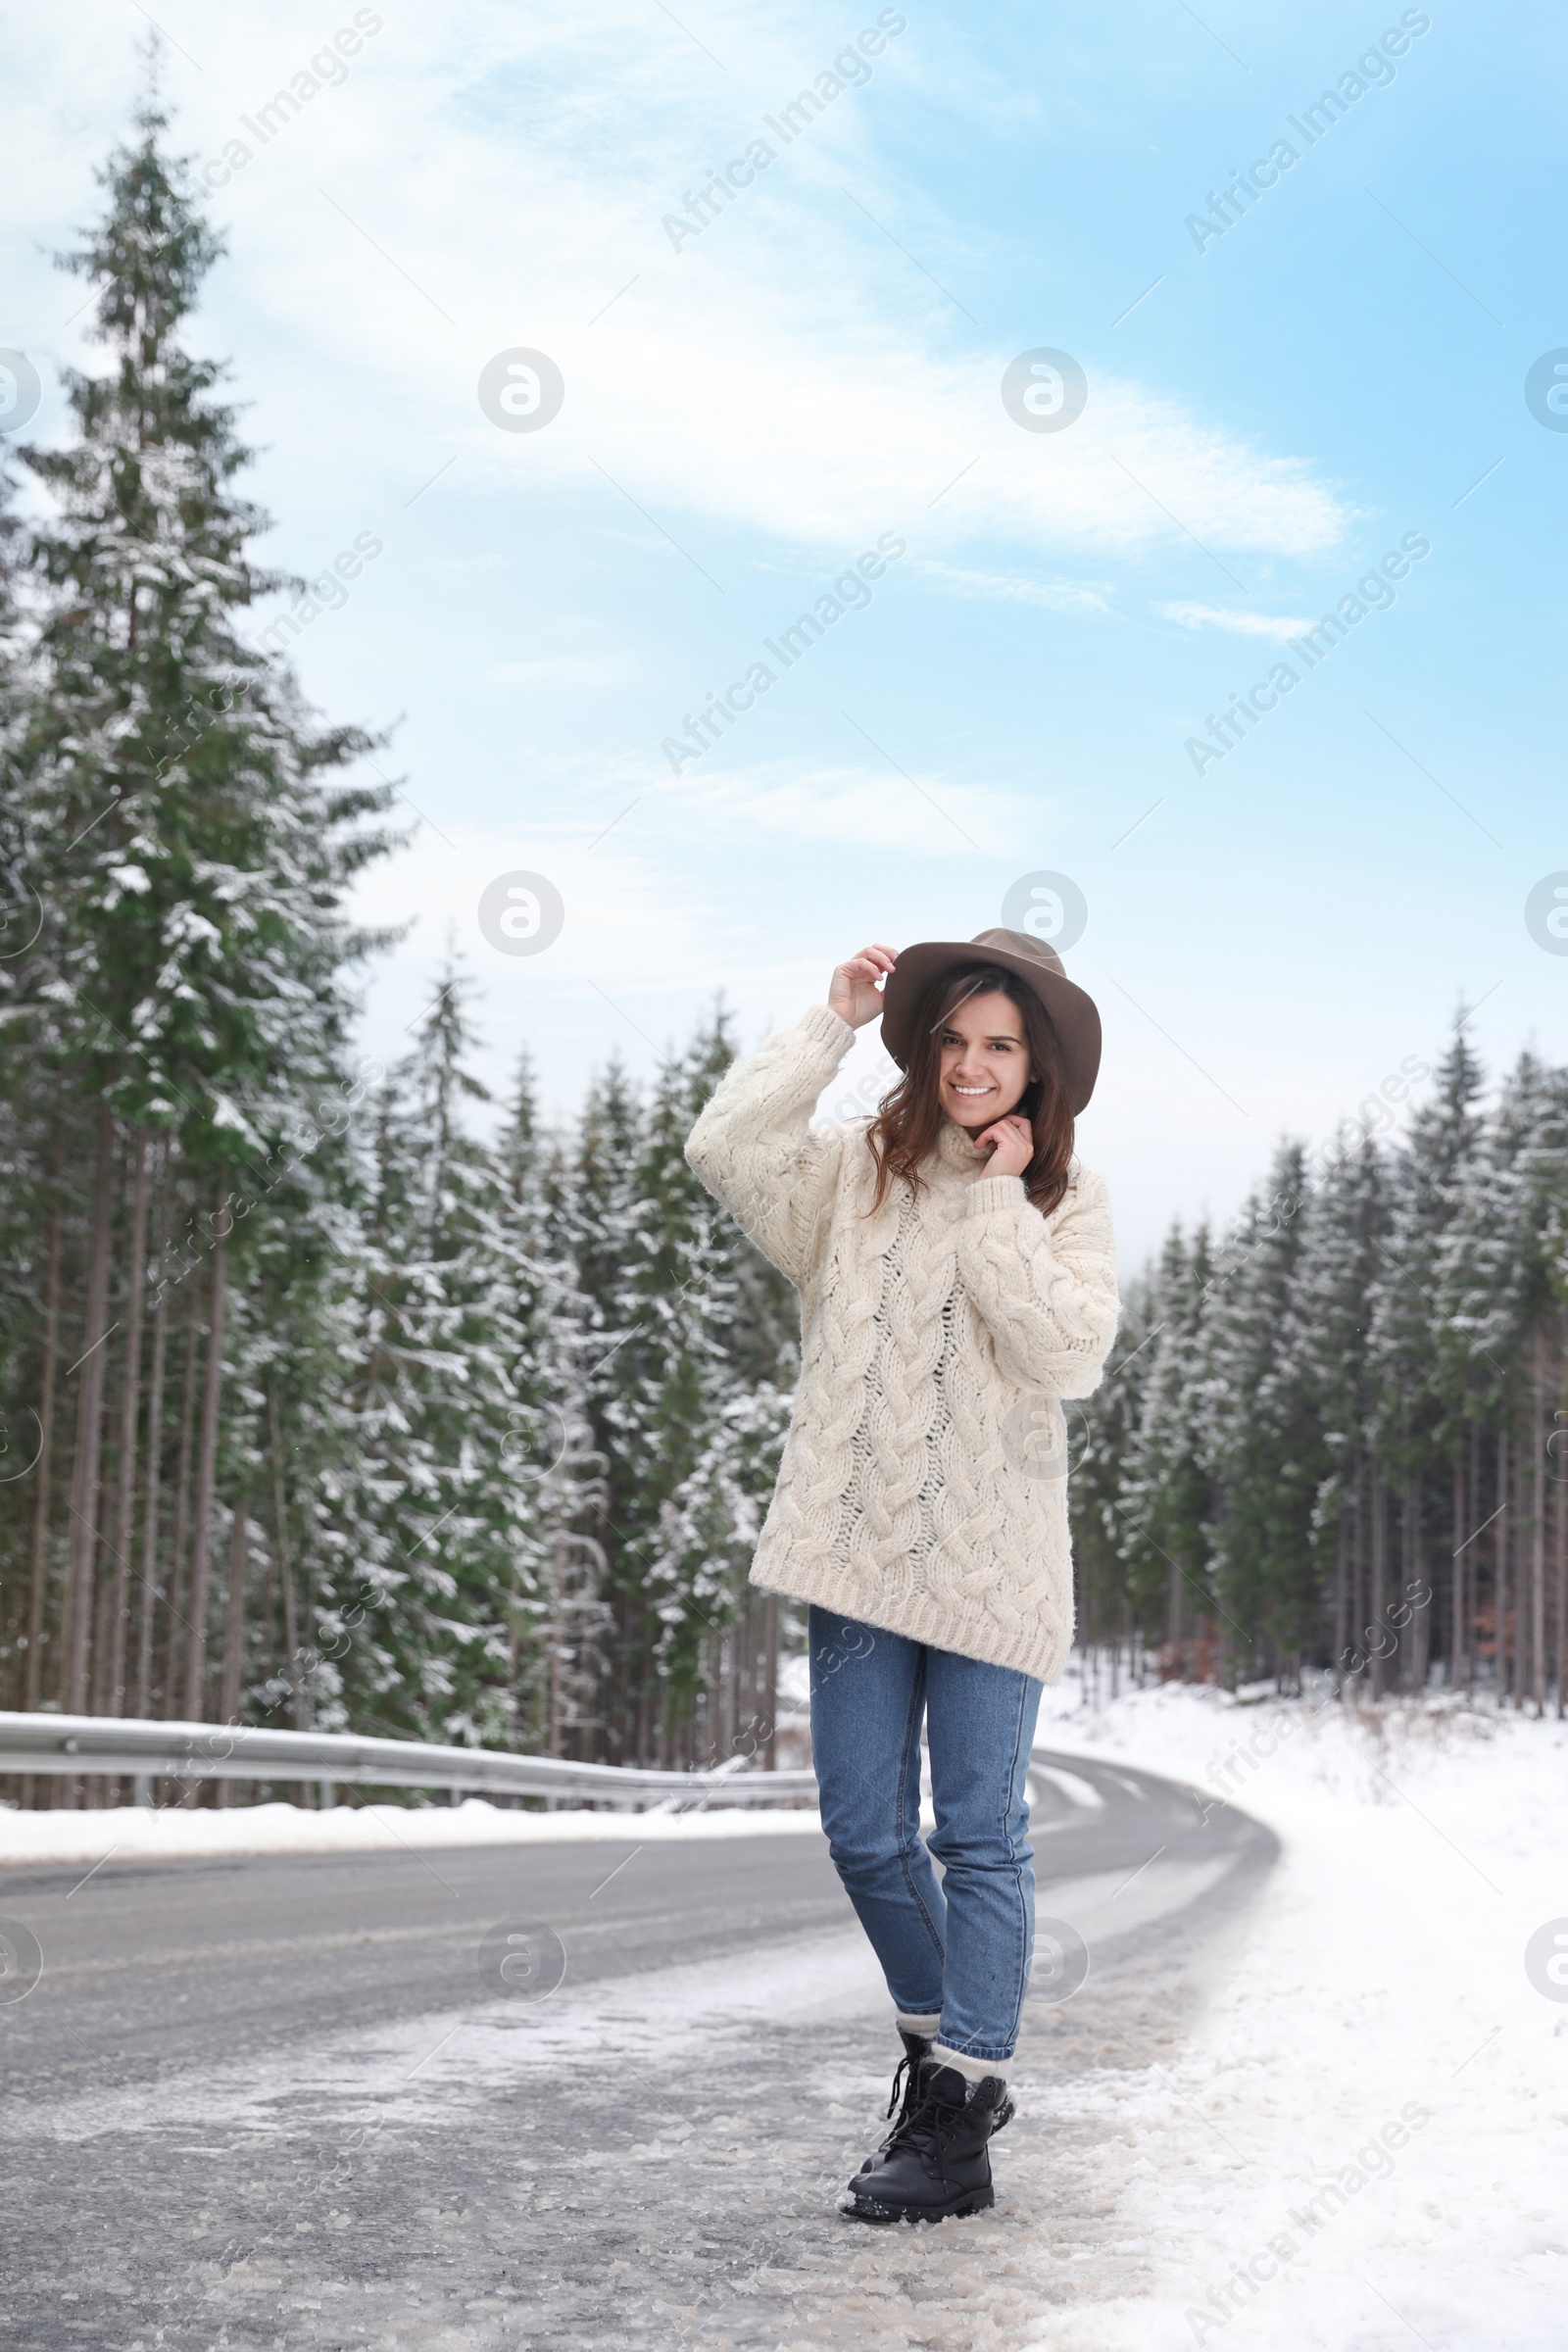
{"x":970,"y":1089}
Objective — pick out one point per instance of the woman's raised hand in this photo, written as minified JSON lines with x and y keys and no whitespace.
{"x":1011,"y":1144}
{"x":854,"y":994}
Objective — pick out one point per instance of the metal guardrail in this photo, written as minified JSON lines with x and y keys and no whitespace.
{"x":73,"y":1745}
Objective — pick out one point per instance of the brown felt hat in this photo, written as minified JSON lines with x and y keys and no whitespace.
{"x":1071,"y":1011}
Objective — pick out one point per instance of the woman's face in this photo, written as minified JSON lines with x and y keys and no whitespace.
{"x":985,"y":1061}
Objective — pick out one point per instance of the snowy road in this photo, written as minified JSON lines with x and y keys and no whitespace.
{"x":290,"y":2102}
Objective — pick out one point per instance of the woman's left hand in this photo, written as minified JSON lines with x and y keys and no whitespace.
{"x":1011,"y":1144}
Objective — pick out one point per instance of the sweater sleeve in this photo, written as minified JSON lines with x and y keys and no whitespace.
{"x":1045,"y":1289}
{"x":753,"y":1146}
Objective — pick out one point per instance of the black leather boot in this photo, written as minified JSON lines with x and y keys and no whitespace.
{"x":906,"y":2079}
{"x":938,"y":2167}
{"x":917,"y":2047}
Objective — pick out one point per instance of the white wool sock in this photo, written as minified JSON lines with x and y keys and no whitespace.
{"x":917,"y":2024}
{"x":975,"y":2069}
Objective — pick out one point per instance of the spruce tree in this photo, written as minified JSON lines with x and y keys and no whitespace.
{"x":177,"y":817}
{"x":551,"y":1449}
{"x":1335,"y":1294}
{"x":674,"y":1369}
{"x":1415,"y":1428}
{"x":1501,"y":1288}
{"x":1254,"y":1418}
{"x":1164,"y":1490}
{"x":449,"y":1568}
{"x":599,"y":1220}
{"x":1102,"y":1432}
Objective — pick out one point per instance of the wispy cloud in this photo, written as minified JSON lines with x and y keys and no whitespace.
{"x":589,"y":124}
{"x":1240,"y":624}
{"x":1016,"y":588}
{"x":854,"y":806}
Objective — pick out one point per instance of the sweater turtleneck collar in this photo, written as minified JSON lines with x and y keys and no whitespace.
{"x":955,"y":1151}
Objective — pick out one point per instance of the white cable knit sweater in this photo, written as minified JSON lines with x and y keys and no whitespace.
{"x":923,"y":1486}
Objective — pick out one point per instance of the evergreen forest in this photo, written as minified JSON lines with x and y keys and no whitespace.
{"x":335,"y":1395}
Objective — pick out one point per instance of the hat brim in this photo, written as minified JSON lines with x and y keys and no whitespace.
{"x":1071,"y":1011}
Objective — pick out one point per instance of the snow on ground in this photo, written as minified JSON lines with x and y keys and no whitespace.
{"x":145,"y":1833}
{"x":1365,"y":2142}
{"x":1364,"y":2146}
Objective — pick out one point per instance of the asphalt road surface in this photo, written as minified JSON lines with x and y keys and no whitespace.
{"x":581,"y":2095}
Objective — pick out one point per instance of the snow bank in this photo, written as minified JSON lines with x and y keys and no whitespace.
{"x":1365,"y":2143}
{"x":143,"y":1832}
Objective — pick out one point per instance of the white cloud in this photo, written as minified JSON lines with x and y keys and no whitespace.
{"x":1007,"y":587}
{"x":859,"y":807}
{"x":489,"y":176}
{"x":1241,"y":624}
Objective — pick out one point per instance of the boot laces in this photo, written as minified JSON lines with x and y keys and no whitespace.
{"x":931,"y":2126}
{"x":907,"y":2103}
{"x":900,"y":2083}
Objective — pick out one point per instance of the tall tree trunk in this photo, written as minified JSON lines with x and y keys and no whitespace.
{"x":1456,"y":1570}
{"x":43,"y":1467}
{"x":286,"y":1571}
{"x":557,"y":1586}
{"x":1500,"y":1597}
{"x":1174,"y":1626}
{"x":1415,"y":1557}
{"x":113,"y":1698}
{"x":97,"y":1787}
{"x":1341,"y":1607}
{"x":266,"y":1606}
{"x":206,"y":1482}
{"x":1560,"y":1512}
{"x":1538,"y":1526}
{"x":38,"y":1548}
{"x":1472,"y":1573}
{"x":233,"y":1630}
{"x":175,"y":1583}
{"x":1378,"y":1597}
{"x":86,"y":1501}
{"x":1357,"y":1557}
{"x":152,"y":1494}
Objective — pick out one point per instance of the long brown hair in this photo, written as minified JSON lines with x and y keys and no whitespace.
{"x":909,"y":1120}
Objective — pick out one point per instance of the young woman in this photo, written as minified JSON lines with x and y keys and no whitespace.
{"x":957,"y":1277}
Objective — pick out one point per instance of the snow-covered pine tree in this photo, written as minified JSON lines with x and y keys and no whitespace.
{"x":599,"y":1216}
{"x":1100,"y":1430}
{"x":1501,"y":1291}
{"x":717,"y":1431}
{"x":1334,"y":1292}
{"x":190,"y":854}
{"x":1257,"y":1427}
{"x":673,"y":1366}
{"x":688,"y":1391}
{"x":1416,"y":1426}
{"x":1163,"y":1486}
{"x":296,"y":1345}
{"x":425,"y":1640}
{"x":560,"y":1611}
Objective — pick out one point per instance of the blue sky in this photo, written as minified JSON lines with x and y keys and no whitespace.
{"x":749,"y":409}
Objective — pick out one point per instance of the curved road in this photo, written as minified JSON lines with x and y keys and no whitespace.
{"x":291,"y":2102}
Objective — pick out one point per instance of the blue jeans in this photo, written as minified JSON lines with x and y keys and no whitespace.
{"x":961,"y":1946}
